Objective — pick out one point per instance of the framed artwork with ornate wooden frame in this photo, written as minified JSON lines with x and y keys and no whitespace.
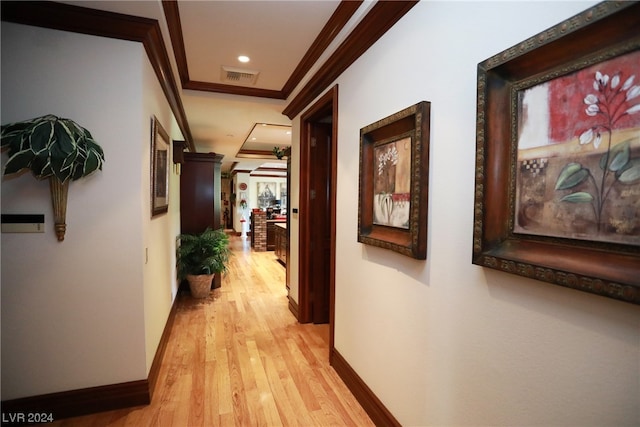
{"x":159,"y":168}
{"x":393,"y":187}
{"x":557,"y":191}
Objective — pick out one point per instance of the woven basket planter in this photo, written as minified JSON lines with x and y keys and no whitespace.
{"x":200,"y":285}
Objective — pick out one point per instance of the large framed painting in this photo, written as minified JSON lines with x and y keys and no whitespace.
{"x":557,"y":194}
{"x":266,"y":194}
{"x":159,"y":168}
{"x":393,"y":187}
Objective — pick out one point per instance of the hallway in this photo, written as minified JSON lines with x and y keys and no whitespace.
{"x":240,"y":358}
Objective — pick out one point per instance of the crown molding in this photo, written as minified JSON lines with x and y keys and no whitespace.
{"x":338,"y":20}
{"x":94,"y":22}
{"x":382,"y":16}
{"x":233,"y":90}
{"x":332,"y":28}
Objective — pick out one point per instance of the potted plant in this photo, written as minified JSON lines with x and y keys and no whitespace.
{"x":279,"y":152}
{"x":54,"y":148}
{"x":200,"y":257}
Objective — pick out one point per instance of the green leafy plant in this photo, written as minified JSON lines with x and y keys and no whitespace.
{"x":51,"y":146}
{"x":204,"y":253}
{"x":278,"y":152}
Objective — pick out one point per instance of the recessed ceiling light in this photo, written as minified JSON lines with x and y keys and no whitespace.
{"x":288,"y":132}
{"x":243,"y":58}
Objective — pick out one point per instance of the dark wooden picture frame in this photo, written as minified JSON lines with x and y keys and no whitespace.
{"x":397,"y":146}
{"x":595,"y":36}
{"x":159,"y":168}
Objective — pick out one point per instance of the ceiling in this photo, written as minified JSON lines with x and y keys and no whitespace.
{"x":281,"y":38}
{"x":297,"y":49}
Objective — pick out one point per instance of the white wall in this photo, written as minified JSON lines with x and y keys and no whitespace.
{"x":293,"y":261}
{"x":160,"y":275}
{"x":241,"y":178}
{"x":80,"y":313}
{"x":443,"y":342}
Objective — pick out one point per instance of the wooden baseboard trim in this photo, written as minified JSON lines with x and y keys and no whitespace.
{"x":162,"y":346}
{"x":378,"y":413}
{"x":86,"y":401}
{"x":293,"y":307}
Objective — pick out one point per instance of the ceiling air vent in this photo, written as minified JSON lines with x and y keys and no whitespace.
{"x":239,"y":75}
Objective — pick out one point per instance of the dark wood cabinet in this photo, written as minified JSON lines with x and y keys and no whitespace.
{"x":271,"y":232}
{"x":281,"y":242}
{"x":200,"y":203}
{"x":200,"y":194}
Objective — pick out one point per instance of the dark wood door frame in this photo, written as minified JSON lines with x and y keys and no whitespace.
{"x":327,"y":105}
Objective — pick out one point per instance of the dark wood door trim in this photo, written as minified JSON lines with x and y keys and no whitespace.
{"x":327,"y":104}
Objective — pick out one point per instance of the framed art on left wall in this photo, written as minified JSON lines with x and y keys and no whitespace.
{"x":159,"y":168}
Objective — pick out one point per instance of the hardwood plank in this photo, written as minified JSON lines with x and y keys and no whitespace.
{"x":223,"y":387}
{"x":266,"y":401}
{"x":239,"y":357}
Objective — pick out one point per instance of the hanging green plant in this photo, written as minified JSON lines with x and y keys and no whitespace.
{"x":55,"y":148}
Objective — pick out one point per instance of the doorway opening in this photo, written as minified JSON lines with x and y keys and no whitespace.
{"x":317,"y":241}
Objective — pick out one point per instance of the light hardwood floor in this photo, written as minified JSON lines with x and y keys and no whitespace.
{"x":239,"y":358}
